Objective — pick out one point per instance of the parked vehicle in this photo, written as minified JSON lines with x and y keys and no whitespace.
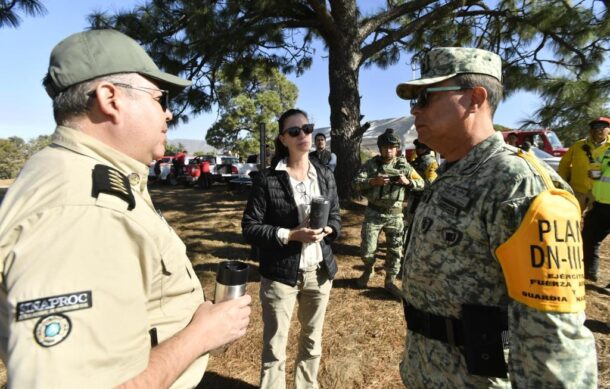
{"x":178,"y":171}
{"x":544,"y":139}
{"x":205,"y":170}
{"x":546,"y":157}
{"x":160,"y":169}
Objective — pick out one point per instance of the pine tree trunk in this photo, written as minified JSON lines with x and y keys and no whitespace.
{"x":344,"y":100}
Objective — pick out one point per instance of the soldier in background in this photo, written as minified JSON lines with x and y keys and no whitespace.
{"x":425,"y":163}
{"x":385,"y":180}
{"x":477,"y":284}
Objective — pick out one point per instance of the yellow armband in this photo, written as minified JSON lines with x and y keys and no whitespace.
{"x":542,"y":261}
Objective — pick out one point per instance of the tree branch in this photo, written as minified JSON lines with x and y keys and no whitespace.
{"x":395,"y":35}
{"x":367,"y":26}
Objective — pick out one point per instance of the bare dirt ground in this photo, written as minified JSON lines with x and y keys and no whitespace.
{"x":364,"y":330}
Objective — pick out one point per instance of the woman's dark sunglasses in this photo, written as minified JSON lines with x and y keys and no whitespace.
{"x":295,"y":131}
{"x":422,"y":98}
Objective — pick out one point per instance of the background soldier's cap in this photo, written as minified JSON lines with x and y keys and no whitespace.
{"x":86,"y":55}
{"x":388,"y":138}
{"x":600,"y":119}
{"x":419,"y":145}
{"x":442,"y":63}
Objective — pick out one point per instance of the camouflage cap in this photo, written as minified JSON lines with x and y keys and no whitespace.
{"x":388,"y":138}
{"x":86,"y":55}
{"x":442,"y":63}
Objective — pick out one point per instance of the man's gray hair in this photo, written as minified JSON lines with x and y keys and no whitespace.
{"x":491,"y":84}
{"x":77,"y":99}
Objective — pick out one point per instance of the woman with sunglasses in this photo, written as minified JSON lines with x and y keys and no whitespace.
{"x":296,"y":262}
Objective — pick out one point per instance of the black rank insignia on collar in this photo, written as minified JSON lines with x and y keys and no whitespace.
{"x":111,"y":181}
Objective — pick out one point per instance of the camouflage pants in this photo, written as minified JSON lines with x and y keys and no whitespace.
{"x":392,"y":226}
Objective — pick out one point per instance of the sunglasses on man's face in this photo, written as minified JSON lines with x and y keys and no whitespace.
{"x":422,"y":98}
{"x":598,"y":126}
{"x":295,"y":131}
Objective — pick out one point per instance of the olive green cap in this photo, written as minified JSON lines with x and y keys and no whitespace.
{"x":443,"y":63}
{"x":90,"y":54}
{"x":388,"y":138}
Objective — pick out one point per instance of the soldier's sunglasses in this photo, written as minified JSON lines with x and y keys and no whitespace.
{"x":163,"y":99}
{"x":422,"y":98}
{"x":295,"y":131}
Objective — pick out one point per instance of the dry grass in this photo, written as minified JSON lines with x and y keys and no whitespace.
{"x":364,"y":329}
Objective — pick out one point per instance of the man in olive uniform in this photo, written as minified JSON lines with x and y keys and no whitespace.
{"x":384,"y":180}
{"x":97,"y":289}
{"x":494,"y":270}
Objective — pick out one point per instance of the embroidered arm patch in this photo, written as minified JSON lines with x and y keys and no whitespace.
{"x":111,"y":181}
{"x":53,"y":305}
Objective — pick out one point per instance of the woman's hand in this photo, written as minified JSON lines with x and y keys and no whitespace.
{"x":302,"y":233}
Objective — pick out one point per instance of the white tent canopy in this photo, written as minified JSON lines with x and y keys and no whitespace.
{"x":403,"y":127}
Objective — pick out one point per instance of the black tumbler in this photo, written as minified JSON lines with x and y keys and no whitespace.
{"x":231,"y":280}
{"x":318,"y":215}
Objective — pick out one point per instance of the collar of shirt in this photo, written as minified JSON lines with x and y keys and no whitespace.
{"x":479,"y":154}
{"x":594,"y":144}
{"x":311,"y":171}
{"x":81,"y":143}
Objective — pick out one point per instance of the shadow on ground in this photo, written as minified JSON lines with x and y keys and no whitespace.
{"x":212,"y":380}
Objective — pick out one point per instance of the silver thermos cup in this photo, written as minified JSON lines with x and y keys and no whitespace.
{"x":231,"y":279}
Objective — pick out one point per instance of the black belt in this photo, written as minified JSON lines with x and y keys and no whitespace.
{"x":391,"y":211}
{"x":444,"y":329}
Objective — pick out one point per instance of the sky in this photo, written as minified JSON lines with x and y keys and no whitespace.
{"x":26,"y":109}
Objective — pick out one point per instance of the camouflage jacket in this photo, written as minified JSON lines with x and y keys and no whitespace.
{"x":391,"y":195}
{"x":465,"y":214}
{"x":426,"y":167}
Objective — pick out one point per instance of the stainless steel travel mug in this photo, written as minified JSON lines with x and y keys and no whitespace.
{"x":231,"y":279}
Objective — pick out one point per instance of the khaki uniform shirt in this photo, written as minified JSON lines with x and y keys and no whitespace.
{"x":464,"y":215}
{"x":85,"y":280}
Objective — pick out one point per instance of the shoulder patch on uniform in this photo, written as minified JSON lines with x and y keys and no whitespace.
{"x":111,"y":181}
{"x":53,"y":304}
{"x":52,"y":330}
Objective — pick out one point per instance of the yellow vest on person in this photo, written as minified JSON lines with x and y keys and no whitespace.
{"x":601,"y":187}
{"x":575,"y":164}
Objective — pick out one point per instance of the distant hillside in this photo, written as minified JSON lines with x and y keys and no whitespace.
{"x":192,"y":145}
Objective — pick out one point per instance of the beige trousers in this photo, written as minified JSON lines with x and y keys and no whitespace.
{"x":277,"y":300}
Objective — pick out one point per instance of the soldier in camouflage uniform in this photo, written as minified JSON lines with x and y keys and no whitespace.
{"x":384,"y":180}
{"x":464,"y":318}
{"x":425,"y":165}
